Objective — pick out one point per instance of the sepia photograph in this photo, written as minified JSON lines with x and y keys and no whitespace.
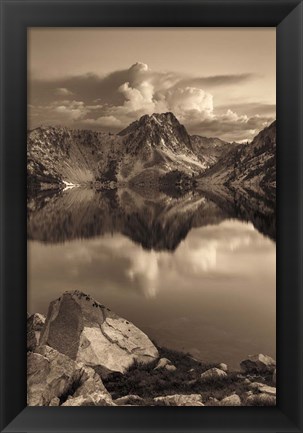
{"x":151,"y":216}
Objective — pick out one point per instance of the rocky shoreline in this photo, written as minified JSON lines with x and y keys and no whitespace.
{"x":83,"y":354}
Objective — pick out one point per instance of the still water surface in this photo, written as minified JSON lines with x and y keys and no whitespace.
{"x":213,"y":294}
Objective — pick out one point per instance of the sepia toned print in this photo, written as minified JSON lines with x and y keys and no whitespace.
{"x":151,"y":161}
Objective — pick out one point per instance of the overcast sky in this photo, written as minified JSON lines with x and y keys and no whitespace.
{"x":217,"y":81}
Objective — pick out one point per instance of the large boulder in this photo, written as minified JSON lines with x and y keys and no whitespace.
{"x":35,"y":323}
{"x":52,"y":377}
{"x":180,"y":400}
{"x":213,"y":374}
{"x":88,"y":332}
{"x":258,"y":364}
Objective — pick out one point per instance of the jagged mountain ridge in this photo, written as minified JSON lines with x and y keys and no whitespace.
{"x":252,"y":165}
{"x":144,"y":152}
{"x":146,"y":149}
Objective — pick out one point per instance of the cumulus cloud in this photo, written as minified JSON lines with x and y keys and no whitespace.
{"x":190,"y":101}
{"x":73,"y":110}
{"x":63,"y":91}
{"x":114,"y":101}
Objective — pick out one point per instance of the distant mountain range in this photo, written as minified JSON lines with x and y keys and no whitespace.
{"x":143,"y":153}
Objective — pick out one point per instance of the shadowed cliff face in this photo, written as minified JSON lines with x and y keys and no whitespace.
{"x":152,"y":219}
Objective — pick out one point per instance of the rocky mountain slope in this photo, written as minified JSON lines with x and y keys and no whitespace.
{"x":85,"y":355}
{"x":146,"y":149}
{"x":57,"y":155}
{"x":252,"y":165}
{"x":210,"y":149}
{"x":160,"y":143}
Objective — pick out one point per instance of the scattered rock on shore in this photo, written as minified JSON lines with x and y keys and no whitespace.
{"x":93,"y":399}
{"x":262,"y":387}
{"x":223,"y":367}
{"x":261,"y":400}
{"x":165,"y":363}
{"x":180,"y":400}
{"x":213,"y":373}
{"x":231,"y":400}
{"x":258,"y":364}
{"x":128,"y":400}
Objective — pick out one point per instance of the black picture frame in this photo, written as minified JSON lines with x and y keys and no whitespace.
{"x":287,"y":17}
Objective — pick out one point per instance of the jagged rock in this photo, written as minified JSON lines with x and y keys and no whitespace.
{"x":88,"y":332}
{"x":128,"y":400}
{"x":261,"y":400}
{"x":212,"y":374}
{"x":262,"y":387}
{"x":165,"y":363}
{"x":214,"y":399}
{"x":180,"y":400}
{"x":231,"y":400}
{"x":223,"y":367}
{"x":258,"y":364}
{"x":52,"y":375}
{"x":35,"y":323}
{"x":274,"y":377}
{"x":95,"y":399}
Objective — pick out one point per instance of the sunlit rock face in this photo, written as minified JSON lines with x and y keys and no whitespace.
{"x":88,"y":332}
{"x":53,"y":378}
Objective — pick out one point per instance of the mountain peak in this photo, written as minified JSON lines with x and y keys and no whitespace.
{"x":159,"y":117}
{"x":155,"y":120}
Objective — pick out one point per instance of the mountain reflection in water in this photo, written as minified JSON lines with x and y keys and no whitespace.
{"x":195,"y":273}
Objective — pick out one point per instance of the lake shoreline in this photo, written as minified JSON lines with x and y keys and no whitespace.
{"x":83,"y":350}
